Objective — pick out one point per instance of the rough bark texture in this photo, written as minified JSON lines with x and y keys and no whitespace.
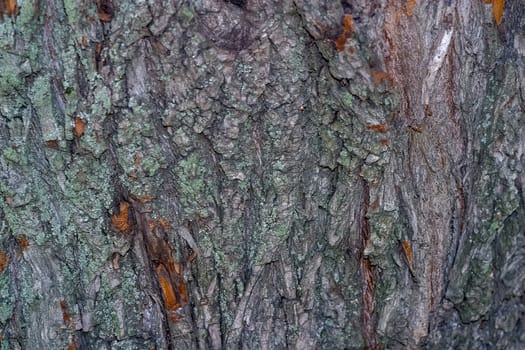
{"x":262,"y":174}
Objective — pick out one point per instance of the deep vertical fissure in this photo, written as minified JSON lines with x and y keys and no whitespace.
{"x":368,"y":274}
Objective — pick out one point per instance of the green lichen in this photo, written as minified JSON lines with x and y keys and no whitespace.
{"x":7,"y":34}
{"x":10,"y":79}
{"x":42,"y":101}
{"x":191,"y":174}
{"x":185,"y":15}
{"x":381,"y":237}
{"x":11,"y":154}
{"x":130,"y":344}
{"x":347,"y":99}
{"x":7,"y":298}
{"x":26,"y":18}
{"x":72,"y":12}
{"x":102,"y":103}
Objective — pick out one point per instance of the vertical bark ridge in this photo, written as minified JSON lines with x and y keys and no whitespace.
{"x":368,"y":275}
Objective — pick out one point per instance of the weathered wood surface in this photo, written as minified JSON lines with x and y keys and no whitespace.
{"x":261,"y":174}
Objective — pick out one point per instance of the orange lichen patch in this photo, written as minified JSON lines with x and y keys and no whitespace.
{"x":385,"y":142}
{"x":4,"y":260}
{"x":410,"y":5}
{"x":52,"y":144}
{"x":407,"y":249}
{"x":382,"y":128}
{"x":121,"y":221}
{"x":105,"y":10}
{"x":66,"y":317}
{"x":380,"y":76}
{"x":497,"y":10}
{"x":78,"y":128}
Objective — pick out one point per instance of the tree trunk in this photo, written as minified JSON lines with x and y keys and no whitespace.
{"x":262,"y":174}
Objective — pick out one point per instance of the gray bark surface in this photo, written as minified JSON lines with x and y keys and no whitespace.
{"x":262,"y":174}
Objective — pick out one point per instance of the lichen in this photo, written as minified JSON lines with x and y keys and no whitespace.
{"x":7,"y":299}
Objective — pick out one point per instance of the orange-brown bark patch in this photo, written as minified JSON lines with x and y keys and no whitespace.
{"x":497,"y":10}
{"x":8,"y":7}
{"x":105,"y":10}
{"x":52,"y":144}
{"x":348,"y":29}
{"x":407,"y":249}
{"x":121,"y":221}
{"x":380,"y":76}
{"x":168,"y":293}
{"x":410,"y":5}
{"x":382,"y":128}
{"x":22,"y":242}
{"x":78,"y":128}
{"x":4,"y":260}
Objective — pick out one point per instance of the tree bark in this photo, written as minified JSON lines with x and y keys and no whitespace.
{"x":262,"y":174}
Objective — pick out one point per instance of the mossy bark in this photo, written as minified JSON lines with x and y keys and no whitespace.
{"x":262,"y":174}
